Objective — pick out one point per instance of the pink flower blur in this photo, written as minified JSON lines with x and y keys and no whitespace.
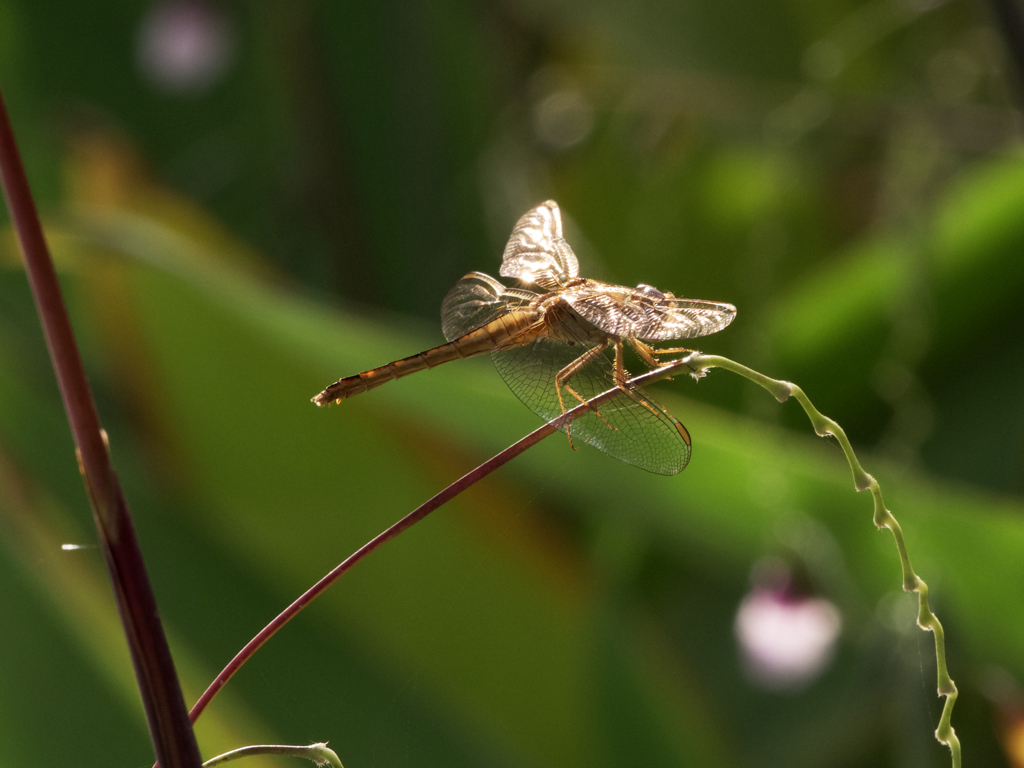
{"x":785,"y":641}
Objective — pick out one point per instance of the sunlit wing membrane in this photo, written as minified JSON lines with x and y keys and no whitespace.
{"x":652,"y":440}
{"x":476,"y":300}
{"x":648,"y":315}
{"x":687,"y":319}
{"x":536,"y":252}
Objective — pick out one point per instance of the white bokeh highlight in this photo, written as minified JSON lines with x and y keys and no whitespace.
{"x":184,"y":46}
{"x":785,"y":641}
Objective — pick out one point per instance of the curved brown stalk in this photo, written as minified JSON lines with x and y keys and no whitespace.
{"x":406,"y":522}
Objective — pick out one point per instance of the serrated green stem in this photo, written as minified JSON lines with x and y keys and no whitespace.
{"x":697,"y":363}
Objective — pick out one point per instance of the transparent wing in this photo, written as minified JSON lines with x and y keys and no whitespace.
{"x":686,"y":319}
{"x":646,"y":313}
{"x":536,"y":252}
{"x":476,"y":300}
{"x":654,"y":441}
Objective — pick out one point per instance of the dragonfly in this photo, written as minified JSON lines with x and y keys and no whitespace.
{"x":557,"y":340}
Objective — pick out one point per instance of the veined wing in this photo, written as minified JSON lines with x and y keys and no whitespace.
{"x":646,"y":313}
{"x":537,"y":253}
{"x":476,"y":300}
{"x":653,"y":440}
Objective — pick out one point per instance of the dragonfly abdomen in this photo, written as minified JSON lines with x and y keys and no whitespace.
{"x":476,"y":342}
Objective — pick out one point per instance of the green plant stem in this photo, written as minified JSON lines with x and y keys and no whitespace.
{"x":169,"y":728}
{"x":697,"y":363}
{"x":318,"y":753}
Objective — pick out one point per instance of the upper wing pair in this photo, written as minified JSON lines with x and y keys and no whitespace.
{"x":537,"y":254}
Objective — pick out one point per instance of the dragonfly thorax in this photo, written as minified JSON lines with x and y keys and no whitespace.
{"x":565,"y":324}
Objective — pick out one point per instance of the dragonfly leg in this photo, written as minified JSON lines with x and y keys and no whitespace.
{"x":620,"y":376}
{"x":623,"y":380}
{"x":562,"y":379}
{"x":650,"y":354}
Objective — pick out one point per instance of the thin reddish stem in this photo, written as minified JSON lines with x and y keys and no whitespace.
{"x":406,"y":522}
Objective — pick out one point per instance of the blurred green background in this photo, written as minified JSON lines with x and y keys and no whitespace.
{"x":247,"y":201}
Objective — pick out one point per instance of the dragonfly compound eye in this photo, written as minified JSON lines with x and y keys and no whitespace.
{"x":650,"y":291}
